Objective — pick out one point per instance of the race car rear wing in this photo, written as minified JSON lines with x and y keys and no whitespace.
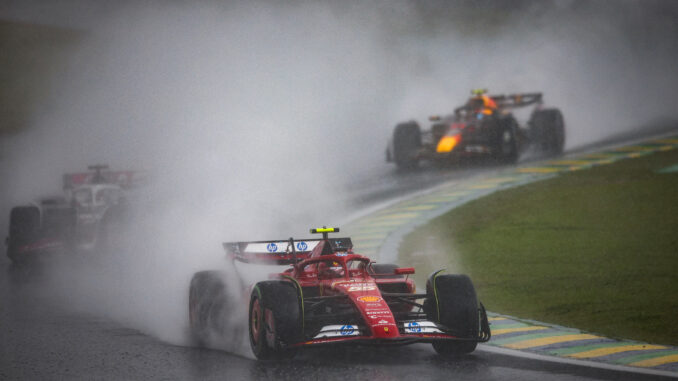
{"x":99,"y":174}
{"x":281,"y":252}
{"x":270,"y":252}
{"x":517,"y":100}
{"x":508,"y":101}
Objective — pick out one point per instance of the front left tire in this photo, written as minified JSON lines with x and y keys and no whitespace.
{"x":406,"y":144}
{"x":275,"y":320}
{"x":24,"y":226}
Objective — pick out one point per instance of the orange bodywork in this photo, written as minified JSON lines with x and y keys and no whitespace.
{"x":489,"y":102}
{"x":489,"y":105}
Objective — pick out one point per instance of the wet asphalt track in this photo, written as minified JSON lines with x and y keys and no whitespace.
{"x":41,"y":339}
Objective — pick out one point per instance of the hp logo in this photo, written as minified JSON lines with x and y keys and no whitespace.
{"x":347,"y":330}
{"x":414,"y":326}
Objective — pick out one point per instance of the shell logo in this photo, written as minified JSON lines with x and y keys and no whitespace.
{"x":369,"y":299}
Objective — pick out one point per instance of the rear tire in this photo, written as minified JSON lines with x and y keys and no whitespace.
{"x":406,"y":144}
{"x":207,"y":298}
{"x":384,"y":269}
{"x":453,"y":303}
{"x":547,"y":130}
{"x":275,"y":320}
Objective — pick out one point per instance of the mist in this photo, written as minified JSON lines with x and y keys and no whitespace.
{"x":254,"y":117}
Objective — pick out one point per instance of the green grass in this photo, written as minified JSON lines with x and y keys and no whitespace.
{"x":594,"y":249}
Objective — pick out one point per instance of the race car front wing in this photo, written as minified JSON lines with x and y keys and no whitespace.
{"x":415,"y":328}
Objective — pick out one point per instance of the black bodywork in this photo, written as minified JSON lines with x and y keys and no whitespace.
{"x":476,"y":132}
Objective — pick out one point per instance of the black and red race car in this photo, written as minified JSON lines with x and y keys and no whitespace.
{"x":484,"y":127}
{"x":332,"y":295}
{"x":90,"y":203}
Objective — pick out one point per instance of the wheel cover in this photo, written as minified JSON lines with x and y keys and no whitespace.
{"x":507,"y":142}
{"x":255,"y":321}
{"x":268,"y":324}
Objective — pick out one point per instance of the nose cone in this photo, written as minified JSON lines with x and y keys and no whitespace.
{"x":385,"y":331}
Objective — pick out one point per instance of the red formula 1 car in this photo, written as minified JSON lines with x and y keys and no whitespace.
{"x":331,"y":295}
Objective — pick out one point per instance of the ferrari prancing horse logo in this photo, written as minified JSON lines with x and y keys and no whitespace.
{"x":369,"y":298}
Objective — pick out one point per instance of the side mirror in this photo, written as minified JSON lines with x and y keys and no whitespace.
{"x":404,"y":271}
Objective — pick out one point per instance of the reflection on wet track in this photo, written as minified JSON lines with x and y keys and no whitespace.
{"x":42,"y":340}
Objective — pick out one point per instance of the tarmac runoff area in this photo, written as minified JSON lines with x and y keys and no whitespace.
{"x":379,"y":234}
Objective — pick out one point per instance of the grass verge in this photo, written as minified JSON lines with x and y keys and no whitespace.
{"x":594,"y":249}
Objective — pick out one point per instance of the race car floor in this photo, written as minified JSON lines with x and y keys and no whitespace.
{"x":379,"y":234}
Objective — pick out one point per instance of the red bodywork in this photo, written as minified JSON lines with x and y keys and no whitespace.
{"x":385,"y":304}
{"x":361,"y":288}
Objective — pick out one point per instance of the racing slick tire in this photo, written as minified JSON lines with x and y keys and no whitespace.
{"x":406,"y":144}
{"x":452,"y":302}
{"x":275,"y":320}
{"x":208,"y":306}
{"x":547,"y":130}
{"x":24,"y":225}
{"x":506,"y":146}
